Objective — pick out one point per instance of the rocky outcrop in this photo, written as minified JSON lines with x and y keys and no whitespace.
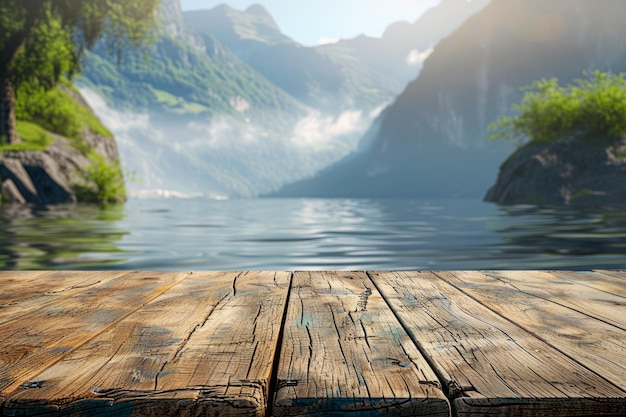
{"x":572,"y":171}
{"x":49,"y":176}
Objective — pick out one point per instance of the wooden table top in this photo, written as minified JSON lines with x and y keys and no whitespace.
{"x":428,"y":343}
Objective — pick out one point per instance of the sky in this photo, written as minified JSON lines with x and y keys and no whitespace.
{"x":311,"y":22}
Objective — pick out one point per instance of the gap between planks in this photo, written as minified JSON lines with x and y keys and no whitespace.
{"x":468,"y":346}
{"x":586,"y":340}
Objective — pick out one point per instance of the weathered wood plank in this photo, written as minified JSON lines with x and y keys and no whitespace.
{"x":344,"y":352}
{"x":603,"y":305}
{"x":21,"y":295}
{"x":15,"y":285}
{"x":204,"y":347}
{"x":595,"y":279}
{"x":43,"y":336}
{"x":491,"y":366}
{"x":620,"y":274}
{"x":594,"y":343}
{"x":20,"y":276}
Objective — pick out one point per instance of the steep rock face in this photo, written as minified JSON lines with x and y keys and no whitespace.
{"x":171,"y":15}
{"x":206,"y":123}
{"x":471,"y":78}
{"x":49,"y":176}
{"x":571,"y":171}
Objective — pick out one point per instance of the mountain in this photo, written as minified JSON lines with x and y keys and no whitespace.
{"x":399,"y":54}
{"x":189,"y":115}
{"x":183,"y":73}
{"x":432,"y":141}
{"x":303,"y":72}
{"x":360,"y":73}
{"x":240,"y":30}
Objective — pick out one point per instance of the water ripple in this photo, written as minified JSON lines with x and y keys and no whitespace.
{"x":294,"y":234}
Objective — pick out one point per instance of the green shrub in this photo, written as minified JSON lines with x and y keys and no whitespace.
{"x":50,"y":109}
{"x":594,"y":106}
{"x":102,"y":182}
{"x":57,"y":111}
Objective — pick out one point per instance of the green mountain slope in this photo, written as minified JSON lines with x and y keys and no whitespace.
{"x":182,"y":74}
{"x":304,"y":72}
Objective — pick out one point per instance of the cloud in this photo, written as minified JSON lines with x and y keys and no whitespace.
{"x":120,"y":123}
{"x":323,"y":129}
{"x":226,"y":154}
{"x":417,"y":57}
{"x":328,"y":41}
{"x":221,"y":132}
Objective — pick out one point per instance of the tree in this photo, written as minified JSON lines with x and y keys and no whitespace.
{"x":31,"y":29}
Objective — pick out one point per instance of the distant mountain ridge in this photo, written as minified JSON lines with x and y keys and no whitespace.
{"x":399,"y":53}
{"x":432,"y":141}
{"x":361,"y":73}
{"x":302,"y":72}
{"x":231,"y":25}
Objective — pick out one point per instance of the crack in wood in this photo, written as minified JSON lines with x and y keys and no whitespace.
{"x":363,"y":299}
{"x":235,"y":286}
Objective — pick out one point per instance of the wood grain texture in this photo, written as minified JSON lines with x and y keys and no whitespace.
{"x":594,"y":343}
{"x":23,"y":293}
{"x":607,"y":306}
{"x":204,"y":347}
{"x":489,"y":365}
{"x":620,"y":274}
{"x":344,"y":353}
{"x":43,"y":336}
{"x":595,"y":279}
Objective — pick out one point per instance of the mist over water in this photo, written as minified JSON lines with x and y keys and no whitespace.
{"x":226,"y":156}
{"x":309,"y":234}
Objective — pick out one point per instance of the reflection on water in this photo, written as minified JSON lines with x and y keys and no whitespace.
{"x":581,"y":238}
{"x":309,"y":234}
{"x":58,"y":237}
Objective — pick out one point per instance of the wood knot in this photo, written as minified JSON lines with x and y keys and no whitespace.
{"x":33,"y":384}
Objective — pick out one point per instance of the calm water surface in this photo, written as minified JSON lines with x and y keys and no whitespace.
{"x":303,"y":234}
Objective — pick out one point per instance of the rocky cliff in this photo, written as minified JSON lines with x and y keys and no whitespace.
{"x":573,"y":171}
{"x":55,"y":174}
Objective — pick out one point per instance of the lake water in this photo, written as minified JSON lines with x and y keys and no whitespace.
{"x":305,"y":234}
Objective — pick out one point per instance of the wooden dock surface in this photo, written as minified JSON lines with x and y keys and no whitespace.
{"x":453,"y":343}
